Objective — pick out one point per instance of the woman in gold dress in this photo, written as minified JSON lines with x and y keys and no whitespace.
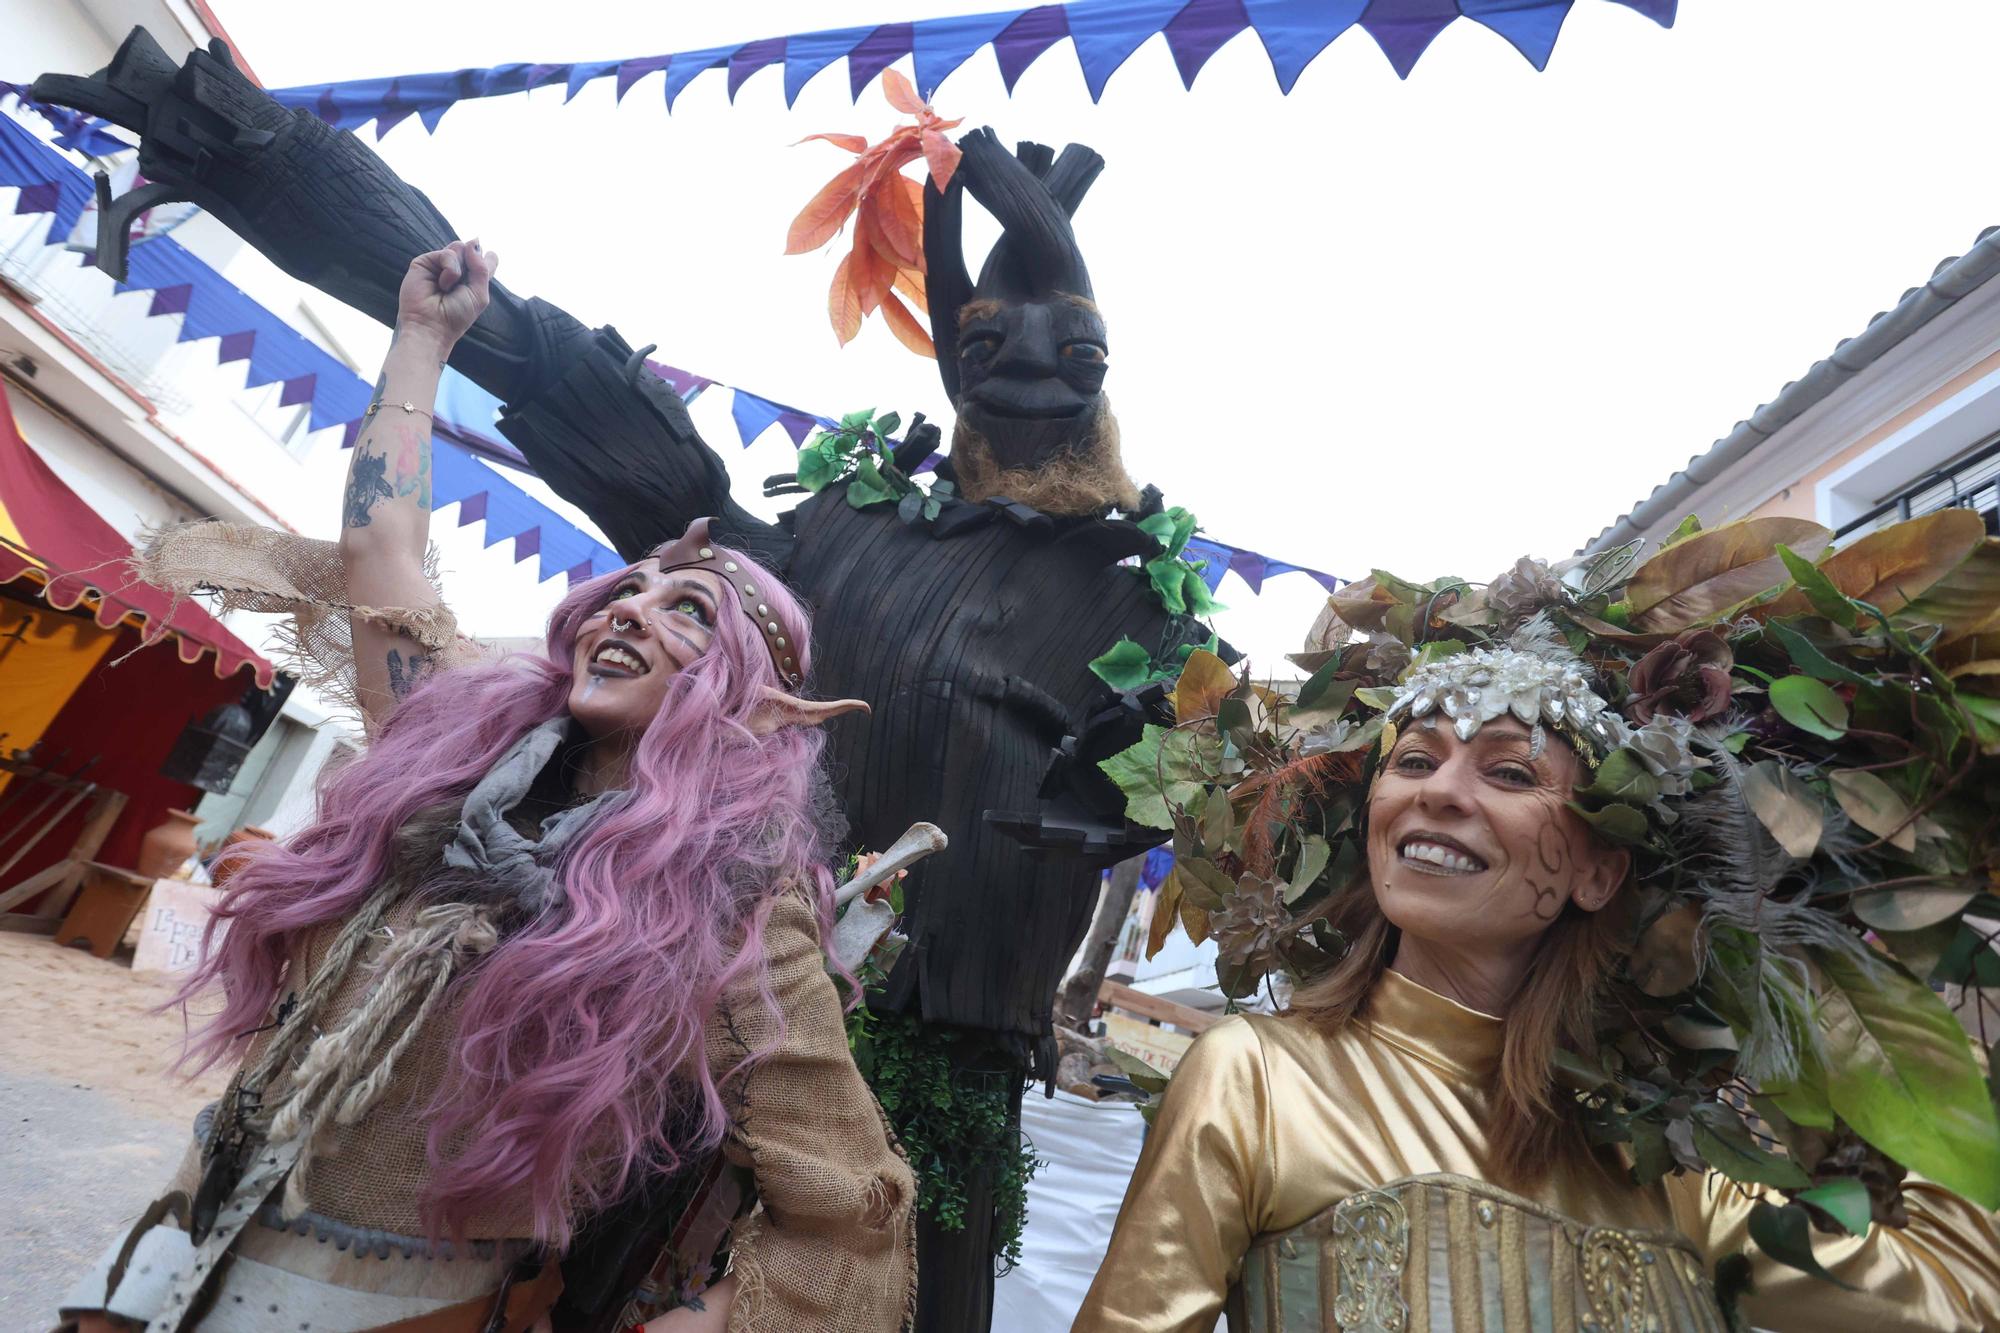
{"x":1397,"y":1150}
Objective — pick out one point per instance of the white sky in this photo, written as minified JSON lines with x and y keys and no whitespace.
{"x":1427,"y":325}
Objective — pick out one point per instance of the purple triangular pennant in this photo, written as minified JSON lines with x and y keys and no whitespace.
{"x":41,"y":198}
{"x":1199,"y":31}
{"x":1250,"y":567}
{"x":1026,"y":38}
{"x":472,"y":509}
{"x":631,"y":71}
{"x":172,"y":300}
{"x":1404,"y":28}
{"x":798,"y":425}
{"x":752,"y":57}
{"x":877,"y":51}
{"x":298,"y":389}
{"x":236,"y":347}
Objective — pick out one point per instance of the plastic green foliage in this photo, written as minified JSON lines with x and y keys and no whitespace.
{"x":1898,"y":1070}
{"x":1810,"y":705}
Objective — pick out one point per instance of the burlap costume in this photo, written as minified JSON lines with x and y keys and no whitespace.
{"x":829,"y":1244}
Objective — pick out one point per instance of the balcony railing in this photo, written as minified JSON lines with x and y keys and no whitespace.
{"x":1970,"y":481}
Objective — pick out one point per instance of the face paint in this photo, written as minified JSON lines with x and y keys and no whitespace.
{"x":656,"y":624}
{"x":1472,"y":844}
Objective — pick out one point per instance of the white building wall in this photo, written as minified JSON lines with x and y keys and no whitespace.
{"x":201,"y":444}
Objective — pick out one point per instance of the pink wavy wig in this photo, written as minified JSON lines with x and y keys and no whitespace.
{"x":579,"y":1059}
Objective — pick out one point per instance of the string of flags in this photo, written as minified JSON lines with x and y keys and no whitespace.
{"x":1102,"y":35}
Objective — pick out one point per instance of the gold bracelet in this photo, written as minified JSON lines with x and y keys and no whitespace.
{"x":410,"y":408}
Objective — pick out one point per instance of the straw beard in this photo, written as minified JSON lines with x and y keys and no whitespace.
{"x":1078,"y":478}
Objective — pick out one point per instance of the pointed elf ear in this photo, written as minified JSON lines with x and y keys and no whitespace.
{"x":780,"y":709}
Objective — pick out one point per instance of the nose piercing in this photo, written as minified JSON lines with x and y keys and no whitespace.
{"x":619,"y":625}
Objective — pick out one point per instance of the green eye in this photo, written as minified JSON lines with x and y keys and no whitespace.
{"x":689,"y":607}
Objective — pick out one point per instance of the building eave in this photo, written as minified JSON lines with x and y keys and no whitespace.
{"x":1950,"y":283}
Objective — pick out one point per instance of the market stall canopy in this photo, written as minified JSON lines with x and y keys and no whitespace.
{"x":49,"y":535}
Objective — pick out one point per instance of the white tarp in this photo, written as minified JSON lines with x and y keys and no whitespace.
{"x":1072,"y":1202}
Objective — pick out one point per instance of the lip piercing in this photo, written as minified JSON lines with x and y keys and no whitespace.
{"x":620,"y":625}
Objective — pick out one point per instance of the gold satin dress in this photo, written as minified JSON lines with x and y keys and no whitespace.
{"x":1302,"y":1181}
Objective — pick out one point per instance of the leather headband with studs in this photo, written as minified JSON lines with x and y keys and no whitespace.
{"x":694,"y":549}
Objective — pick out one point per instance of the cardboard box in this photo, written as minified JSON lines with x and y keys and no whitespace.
{"x":171,"y":927}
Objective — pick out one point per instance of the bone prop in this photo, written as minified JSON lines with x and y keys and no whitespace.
{"x":917,"y":842}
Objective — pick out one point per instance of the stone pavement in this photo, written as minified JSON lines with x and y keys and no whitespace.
{"x":75,"y":1165}
{"x":92,"y":1123}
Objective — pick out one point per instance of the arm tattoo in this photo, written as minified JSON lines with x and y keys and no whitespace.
{"x":405,"y":673}
{"x":367,"y":483}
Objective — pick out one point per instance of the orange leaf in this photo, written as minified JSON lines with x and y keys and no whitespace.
{"x":887,"y":159}
{"x":904,"y":325}
{"x":821,"y":219}
{"x":911,"y":284}
{"x":853,"y":143}
{"x":942,"y":155}
{"x":900,"y":94}
{"x":870,"y":273}
{"x":843,"y":306}
{"x":900,"y":221}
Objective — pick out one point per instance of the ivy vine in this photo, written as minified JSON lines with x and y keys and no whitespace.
{"x":953,"y":1128}
{"x":857,"y":452}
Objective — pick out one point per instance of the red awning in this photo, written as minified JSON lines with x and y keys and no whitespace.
{"x":48,"y":534}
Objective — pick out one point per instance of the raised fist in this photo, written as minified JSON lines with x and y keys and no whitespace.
{"x":444,"y":291}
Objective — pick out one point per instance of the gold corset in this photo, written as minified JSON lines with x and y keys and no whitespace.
{"x":1446,"y":1254}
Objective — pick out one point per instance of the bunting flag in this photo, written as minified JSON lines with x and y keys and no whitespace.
{"x":1252,"y":568}
{"x":74,"y":129}
{"x":1102,"y":35}
{"x":467,"y":434}
{"x":47,"y":181}
{"x":210,"y":306}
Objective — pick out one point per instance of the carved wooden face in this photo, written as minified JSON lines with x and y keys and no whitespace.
{"x":1031,"y":375}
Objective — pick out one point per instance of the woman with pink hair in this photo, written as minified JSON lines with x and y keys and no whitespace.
{"x":551,"y":945}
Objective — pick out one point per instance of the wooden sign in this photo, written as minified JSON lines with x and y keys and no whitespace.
{"x":1158,"y":1047}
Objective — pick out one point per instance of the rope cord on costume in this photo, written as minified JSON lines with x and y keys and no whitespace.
{"x":347,"y":1069}
{"x":313,"y":996}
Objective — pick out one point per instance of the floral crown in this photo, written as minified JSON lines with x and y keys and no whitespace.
{"x":1803,"y":751}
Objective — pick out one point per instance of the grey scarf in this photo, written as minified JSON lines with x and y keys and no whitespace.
{"x":521,"y":870}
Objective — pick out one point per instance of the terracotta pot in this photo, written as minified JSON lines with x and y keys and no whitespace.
{"x":168,"y":845}
{"x":224,"y":866}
